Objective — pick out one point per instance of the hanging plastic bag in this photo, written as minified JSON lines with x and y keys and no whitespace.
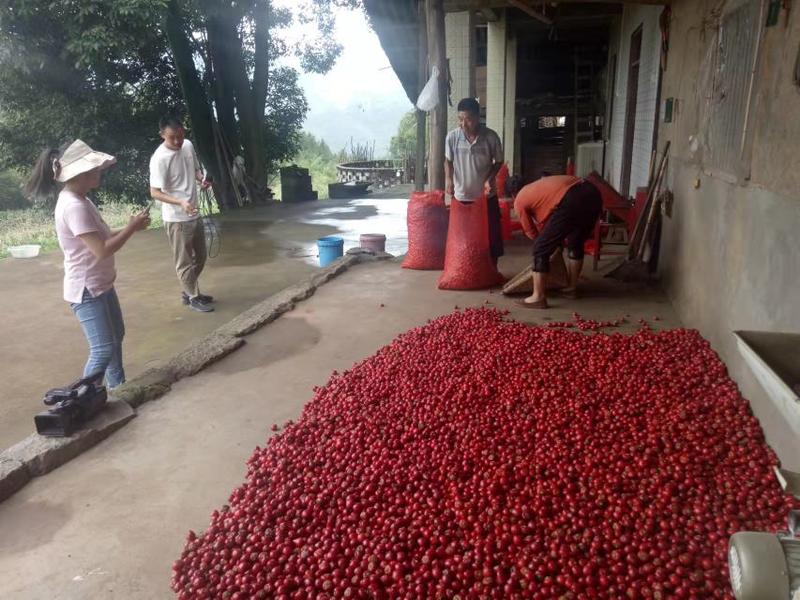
{"x":429,"y":96}
{"x":427,"y":231}
{"x":468,"y":263}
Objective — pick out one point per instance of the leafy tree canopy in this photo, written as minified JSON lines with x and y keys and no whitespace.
{"x":104,"y":70}
{"x":404,"y":144}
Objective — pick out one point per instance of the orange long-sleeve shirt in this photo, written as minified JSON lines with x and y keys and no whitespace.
{"x":535,"y":201}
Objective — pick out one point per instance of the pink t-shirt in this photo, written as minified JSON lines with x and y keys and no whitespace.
{"x":76,"y":216}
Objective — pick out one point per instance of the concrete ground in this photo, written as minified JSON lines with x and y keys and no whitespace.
{"x":263,"y":250}
{"x":110,"y":523}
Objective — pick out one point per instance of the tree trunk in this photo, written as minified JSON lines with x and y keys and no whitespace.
{"x":261,"y":70}
{"x":224,"y":99}
{"x":422,"y":38}
{"x":197,"y":104}
{"x":251,"y":123}
{"x":434,"y":11}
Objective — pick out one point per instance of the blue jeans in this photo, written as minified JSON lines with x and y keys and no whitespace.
{"x":101,"y":320}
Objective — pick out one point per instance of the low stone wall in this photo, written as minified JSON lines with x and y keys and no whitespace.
{"x":382,"y":173}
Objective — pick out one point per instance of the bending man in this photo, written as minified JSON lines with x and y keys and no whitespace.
{"x":551,"y":210}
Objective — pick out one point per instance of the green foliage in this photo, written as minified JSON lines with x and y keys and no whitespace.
{"x":315,"y":155}
{"x":357,"y":152}
{"x":105,"y":70}
{"x":11,"y":196}
{"x":286,"y":111}
{"x":404,"y":144}
{"x":96,"y":70}
{"x":35,"y":225}
{"x":320,"y":52}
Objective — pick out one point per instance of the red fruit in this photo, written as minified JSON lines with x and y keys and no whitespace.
{"x":478,"y":457}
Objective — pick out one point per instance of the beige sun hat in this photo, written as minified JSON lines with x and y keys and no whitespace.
{"x":79,"y":158}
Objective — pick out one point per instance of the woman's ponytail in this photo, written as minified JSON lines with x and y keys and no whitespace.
{"x":42,"y":182}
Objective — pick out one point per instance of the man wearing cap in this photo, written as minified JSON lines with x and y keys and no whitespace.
{"x":174,"y":174}
{"x":473,"y":156}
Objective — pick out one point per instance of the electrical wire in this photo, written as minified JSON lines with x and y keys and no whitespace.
{"x":210,"y":227}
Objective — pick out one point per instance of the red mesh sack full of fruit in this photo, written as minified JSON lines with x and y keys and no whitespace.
{"x":468,"y":263}
{"x":500,"y":181}
{"x":427,"y":231}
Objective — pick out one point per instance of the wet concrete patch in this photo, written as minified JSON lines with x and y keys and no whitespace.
{"x":355,"y":212}
{"x":288,"y":336}
{"x":243,"y":243}
{"x":49,"y":519}
{"x":360,"y":216}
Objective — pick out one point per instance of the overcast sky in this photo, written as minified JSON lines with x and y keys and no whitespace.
{"x":361,"y":96}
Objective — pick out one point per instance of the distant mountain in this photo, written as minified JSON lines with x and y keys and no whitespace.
{"x":360,"y":97}
{"x":373,"y":119}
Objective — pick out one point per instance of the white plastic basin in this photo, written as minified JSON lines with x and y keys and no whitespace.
{"x":26,"y":251}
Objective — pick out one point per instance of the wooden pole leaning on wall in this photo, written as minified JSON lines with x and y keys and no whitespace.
{"x":422,"y":74}
{"x":434,"y":16}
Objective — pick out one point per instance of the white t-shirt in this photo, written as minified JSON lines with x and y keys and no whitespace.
{"x":173,"y":172}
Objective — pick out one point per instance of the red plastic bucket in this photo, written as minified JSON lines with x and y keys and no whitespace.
{"x":375,"y":242}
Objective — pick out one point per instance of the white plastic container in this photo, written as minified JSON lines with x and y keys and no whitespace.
{"x":26,"y":251}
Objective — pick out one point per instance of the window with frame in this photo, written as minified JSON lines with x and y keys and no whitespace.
{"x":552,"y":122}
{"x":731,"y":94}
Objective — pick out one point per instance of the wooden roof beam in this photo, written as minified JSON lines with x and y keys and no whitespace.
{"x":528,"y":10}
{"x":651,"y":2}
{"x":490,"y":14}
{"x":461,"y":5}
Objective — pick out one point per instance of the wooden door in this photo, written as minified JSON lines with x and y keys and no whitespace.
{"x":630,"y":111}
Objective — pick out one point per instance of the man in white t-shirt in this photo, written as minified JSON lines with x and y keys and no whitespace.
{"x":174,"y":174}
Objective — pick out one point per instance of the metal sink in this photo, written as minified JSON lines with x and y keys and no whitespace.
{"x":775,"y":361}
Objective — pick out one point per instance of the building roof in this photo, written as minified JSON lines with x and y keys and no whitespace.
{"x":397,"y":24}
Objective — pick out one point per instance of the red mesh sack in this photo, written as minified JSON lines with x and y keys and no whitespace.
{"x":468,"y":262}
{"x":500,"y":181}
{"x":427,"y":231}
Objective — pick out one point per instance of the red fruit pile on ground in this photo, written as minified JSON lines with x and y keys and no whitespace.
{"x":479,"y":458}
{"x":586,"y":324}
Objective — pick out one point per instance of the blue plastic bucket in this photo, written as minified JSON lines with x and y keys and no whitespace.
{"x":330,"y":248}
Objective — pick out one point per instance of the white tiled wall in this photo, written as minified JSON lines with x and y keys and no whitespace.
{"x":460,"y":41}
{"x":508,"y":135}
{"x":501,"y":86}
{"x":495,"y":75}
{"x":633,"y":17}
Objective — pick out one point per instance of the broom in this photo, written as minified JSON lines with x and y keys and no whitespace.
{"x":522,"y":283}
{"x":633,"y":267}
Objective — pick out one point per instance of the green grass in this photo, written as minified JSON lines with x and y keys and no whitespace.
{"x":36,"y":226}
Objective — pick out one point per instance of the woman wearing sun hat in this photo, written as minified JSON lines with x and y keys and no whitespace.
{"x":88,"y":245}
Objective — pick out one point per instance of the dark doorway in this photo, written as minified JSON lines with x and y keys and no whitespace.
{"x":544,"y":145}
{"x":630,"y":111}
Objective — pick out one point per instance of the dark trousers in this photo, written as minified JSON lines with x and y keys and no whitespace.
{"x":495,"y":231}
{"x":572,"y":220}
